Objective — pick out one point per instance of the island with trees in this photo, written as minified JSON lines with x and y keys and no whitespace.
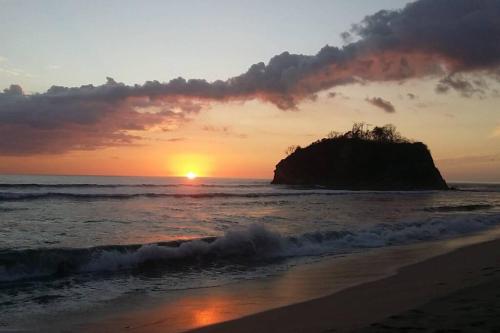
{"x":361,"y":159}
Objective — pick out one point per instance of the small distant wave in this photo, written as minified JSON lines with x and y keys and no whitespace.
{"x":478,"y":190}
{"x":20,"y":196}
{"x":459,"y":208}
{"x":471,"y":187}
{"x":283,"y":192}
{"x":37,"y":186}
{"x":253,"y":244}
{"x":9,"y":209}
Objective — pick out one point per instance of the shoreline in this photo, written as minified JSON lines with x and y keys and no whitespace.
{"x":468,"y":270}
{"x":240,"y":303}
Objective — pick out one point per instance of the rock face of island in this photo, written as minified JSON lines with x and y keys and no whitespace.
{"x":360,"y":159}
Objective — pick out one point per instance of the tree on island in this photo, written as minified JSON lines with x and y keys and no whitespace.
{"x":291,"y":149}
{"x":362,"y":131}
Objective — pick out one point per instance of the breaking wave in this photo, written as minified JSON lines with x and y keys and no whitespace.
{"x":250,"y":245}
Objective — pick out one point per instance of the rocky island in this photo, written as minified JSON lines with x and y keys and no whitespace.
{"x":362,"y":159}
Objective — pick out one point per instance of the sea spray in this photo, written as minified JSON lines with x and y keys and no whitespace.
{"x":249,"y":245}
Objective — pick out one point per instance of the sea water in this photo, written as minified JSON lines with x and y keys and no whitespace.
{"x":71,"y":243}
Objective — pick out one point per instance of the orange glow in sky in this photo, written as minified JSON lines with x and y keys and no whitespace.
{"x":190,"y":165}
{"x":240,"y":141}
{"x":170,"y":113}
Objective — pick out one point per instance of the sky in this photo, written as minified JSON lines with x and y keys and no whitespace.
{"x":104,"y":87}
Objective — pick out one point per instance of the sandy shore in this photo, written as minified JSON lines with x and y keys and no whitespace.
{"x":429,"y":295}
{"x":473,"y":309}
{"x":364,"y":289}
{"x":182,"y":310}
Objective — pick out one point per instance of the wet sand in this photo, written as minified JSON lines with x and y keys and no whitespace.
{"x":364,"y":288}
{"x":417,"y":298}
{"x":473,"y":309}
{"x":183,"y":310}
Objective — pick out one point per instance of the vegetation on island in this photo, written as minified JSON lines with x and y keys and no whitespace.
{"x":361,"y":131}
{"x":365,"y":157}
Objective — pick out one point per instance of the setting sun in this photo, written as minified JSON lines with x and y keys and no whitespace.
{"x":189,"y":165}
{"x":191,"y":175}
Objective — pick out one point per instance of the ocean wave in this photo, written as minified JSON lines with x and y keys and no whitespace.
{"x":253,"y":244}
{"x":23,"y":196}
{"x":286,"y":192}
{"x":459,"y":208}
{"x":77,"y":185}
{"x":10,"y":209}
{"x":471,"y":187}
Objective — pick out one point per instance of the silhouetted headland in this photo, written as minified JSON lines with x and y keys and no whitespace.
{"x":361,"y":159}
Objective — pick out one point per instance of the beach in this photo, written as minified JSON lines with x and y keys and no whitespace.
{"x":431,"y":295}
{"x":383,"y":296}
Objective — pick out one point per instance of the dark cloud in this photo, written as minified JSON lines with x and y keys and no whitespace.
{"x":464,"y":31}
{"x":382,"y":104}
{"x":82,"y":118}
{"x":176,"y":139}
{"x":427,"y":37}
{"x":336,"y":94}
{"x":462,"y":85}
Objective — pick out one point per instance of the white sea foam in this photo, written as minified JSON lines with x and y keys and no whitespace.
{"x":256,"y":242}
{"x":244,"y":245}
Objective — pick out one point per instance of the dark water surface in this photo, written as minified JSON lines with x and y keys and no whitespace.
{"x":70,"y":243}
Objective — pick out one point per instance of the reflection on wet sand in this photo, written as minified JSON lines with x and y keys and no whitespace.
{"x":189,"y":309}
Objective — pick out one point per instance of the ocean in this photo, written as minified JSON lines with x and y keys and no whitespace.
{"x":71,"y":243}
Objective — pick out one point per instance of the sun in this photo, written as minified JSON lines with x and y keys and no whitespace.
{"x":190,"y":175}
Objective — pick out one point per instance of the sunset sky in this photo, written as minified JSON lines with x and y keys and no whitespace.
{"x":92,"y":87}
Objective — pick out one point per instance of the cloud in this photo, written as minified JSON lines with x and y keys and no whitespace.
{"x":14,"y":72}
{"x":425,"y":38}
{"x":382,"y":104}
{"x":337,"y":94}
{"x":466,"y":88}
{"x":226,"y":130}
{"x":210,"y":128}
{"x":82,"y":118}
{"x":10,"y":71}
{"x":464,"y":32}
{"x":176,"y":139}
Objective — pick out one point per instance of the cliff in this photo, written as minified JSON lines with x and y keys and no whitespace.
{"x":355,"y":163}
